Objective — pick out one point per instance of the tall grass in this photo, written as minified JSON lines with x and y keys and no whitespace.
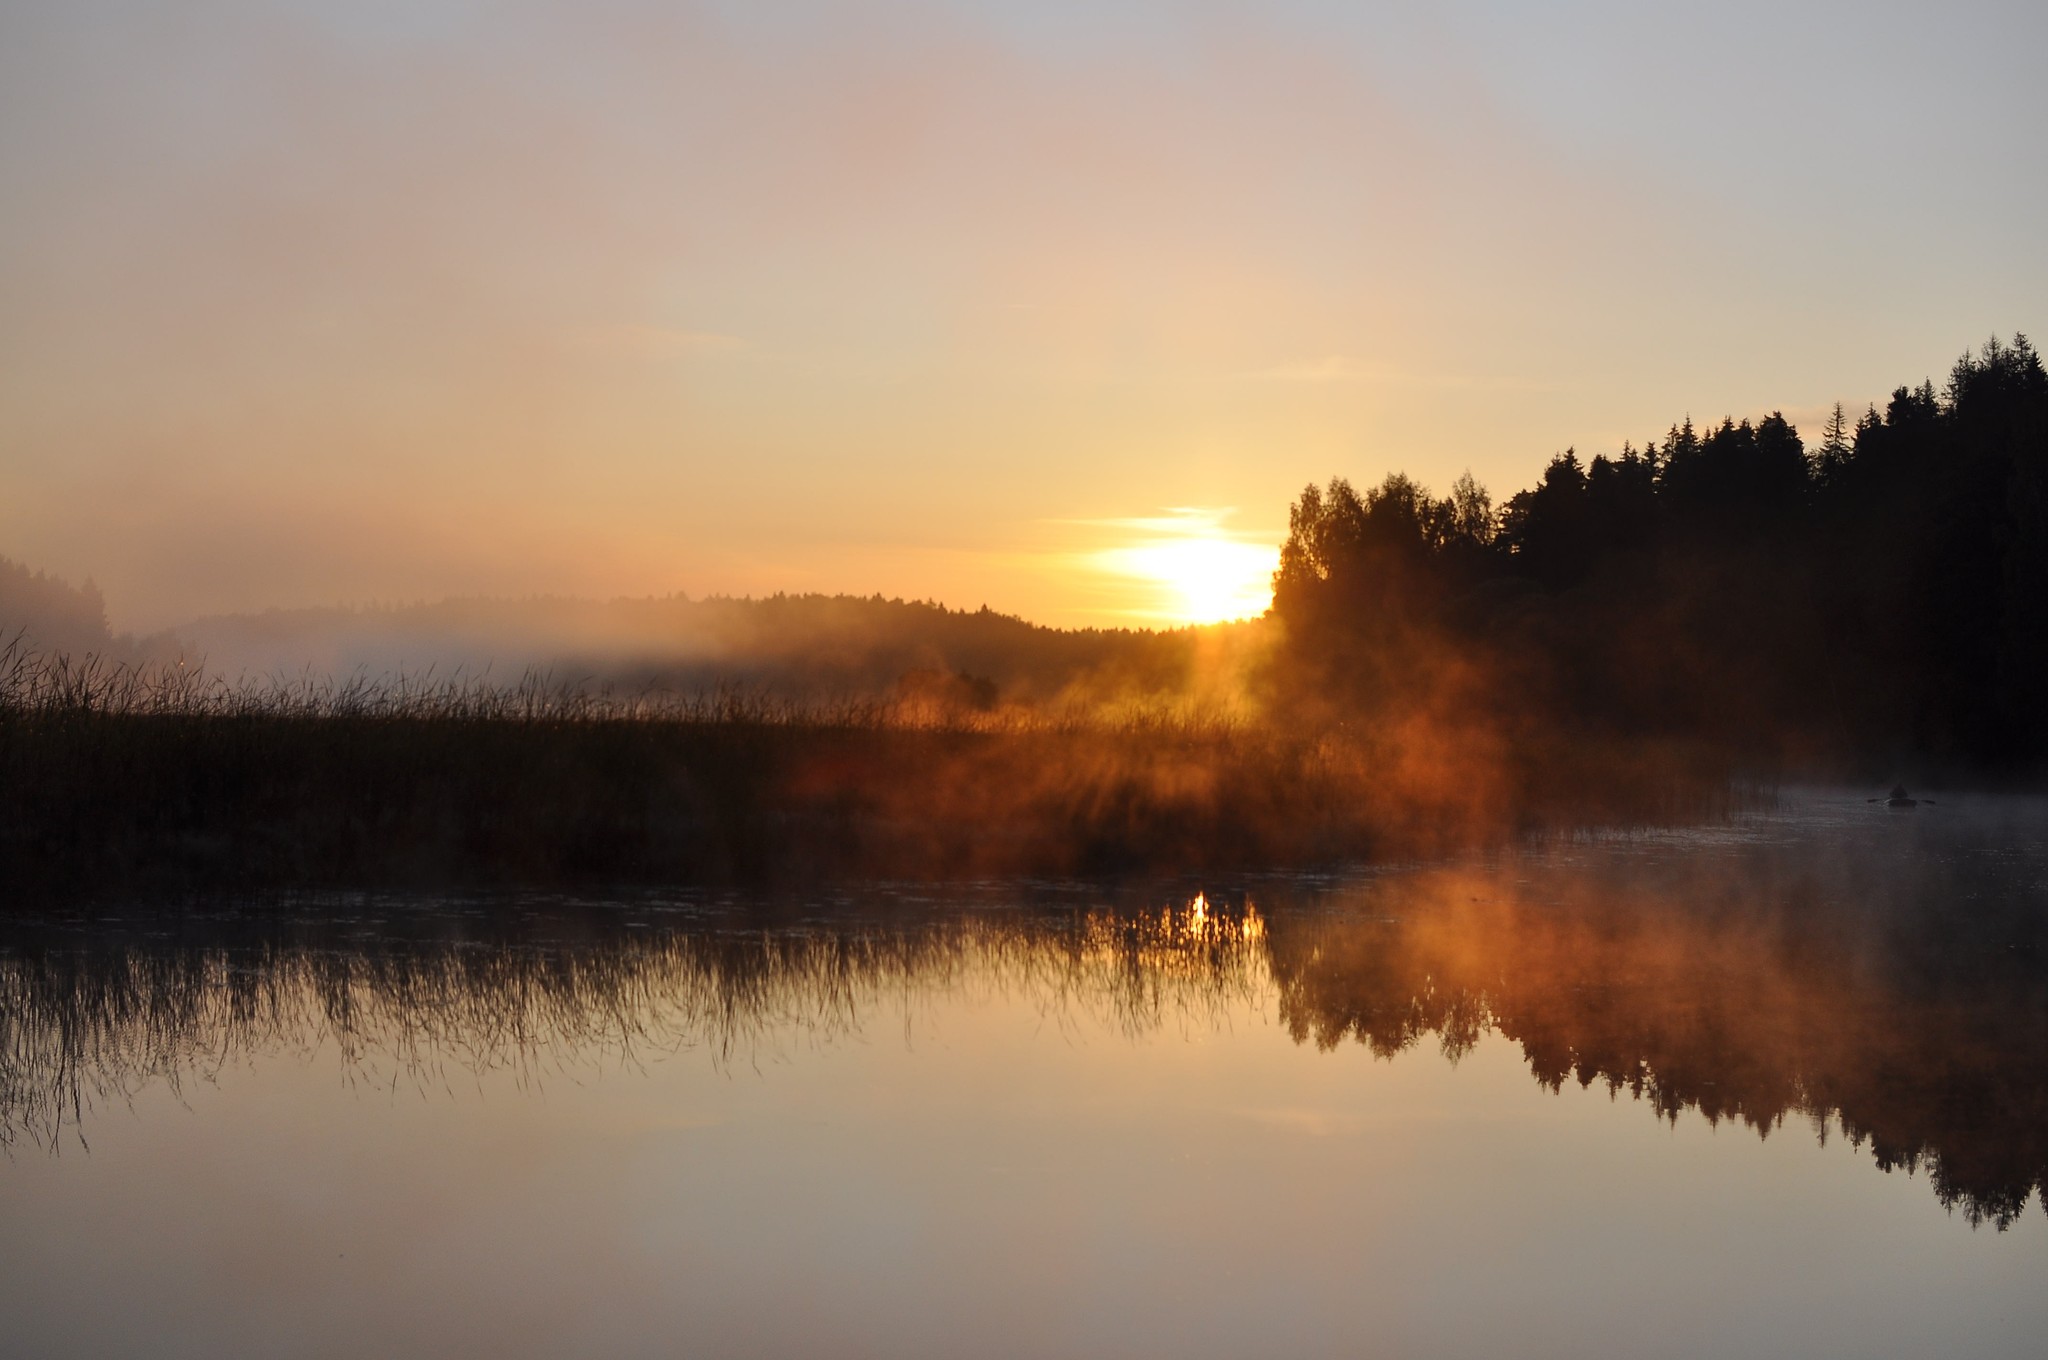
{"x":117,"y":777}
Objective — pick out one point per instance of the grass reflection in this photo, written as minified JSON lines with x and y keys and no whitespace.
{"x":1898,"y":1000}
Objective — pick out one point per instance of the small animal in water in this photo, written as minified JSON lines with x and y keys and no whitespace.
{"x":1899,"y":798}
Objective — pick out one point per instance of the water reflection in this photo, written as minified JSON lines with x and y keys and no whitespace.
{"x":1821,"y":970}
{"x":417,"y":992}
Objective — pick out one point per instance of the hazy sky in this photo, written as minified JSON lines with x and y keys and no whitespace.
{"x":390,"y":299}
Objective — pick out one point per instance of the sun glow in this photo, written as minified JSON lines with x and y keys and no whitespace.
{"x":1194,"y":570}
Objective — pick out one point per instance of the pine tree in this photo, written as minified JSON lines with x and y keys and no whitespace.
{"x":1835,"y":448}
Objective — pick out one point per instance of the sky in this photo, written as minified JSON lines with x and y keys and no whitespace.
{"x":1048,"y":306}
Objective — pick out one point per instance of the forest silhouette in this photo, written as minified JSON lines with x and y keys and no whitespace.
{"x":1874,"y":601}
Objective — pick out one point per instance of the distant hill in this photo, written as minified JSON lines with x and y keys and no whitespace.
{"x":803,"y":644}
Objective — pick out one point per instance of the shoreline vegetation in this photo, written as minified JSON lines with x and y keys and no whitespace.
{"x":121,"y":779}
{"x":1629,"y":642}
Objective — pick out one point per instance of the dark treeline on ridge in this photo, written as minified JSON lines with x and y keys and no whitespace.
{"x":1873,"y":601}
{"x":796,"y":646}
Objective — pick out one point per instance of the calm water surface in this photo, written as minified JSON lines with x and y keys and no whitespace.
{"x":1775,"y":1088}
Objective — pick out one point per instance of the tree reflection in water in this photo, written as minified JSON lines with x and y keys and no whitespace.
{"x":1892,"y":992}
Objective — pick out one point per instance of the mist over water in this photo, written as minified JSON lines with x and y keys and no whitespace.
{"x":1782,"y":1082}
{"x":970,"y":678}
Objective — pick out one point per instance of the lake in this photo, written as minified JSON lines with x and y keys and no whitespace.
{"x":1778,"y":1086}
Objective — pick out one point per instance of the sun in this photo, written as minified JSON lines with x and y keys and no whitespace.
{"x":1197,"y":575}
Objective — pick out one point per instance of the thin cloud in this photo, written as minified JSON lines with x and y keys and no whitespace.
{"x":1338,"y":368}
{"x":1177,"y":521}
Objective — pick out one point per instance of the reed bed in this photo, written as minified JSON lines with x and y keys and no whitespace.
{"x":117,"y":778}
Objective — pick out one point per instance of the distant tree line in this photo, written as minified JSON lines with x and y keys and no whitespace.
{"x":50,"y":614}
{"x":1879,"y":597}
